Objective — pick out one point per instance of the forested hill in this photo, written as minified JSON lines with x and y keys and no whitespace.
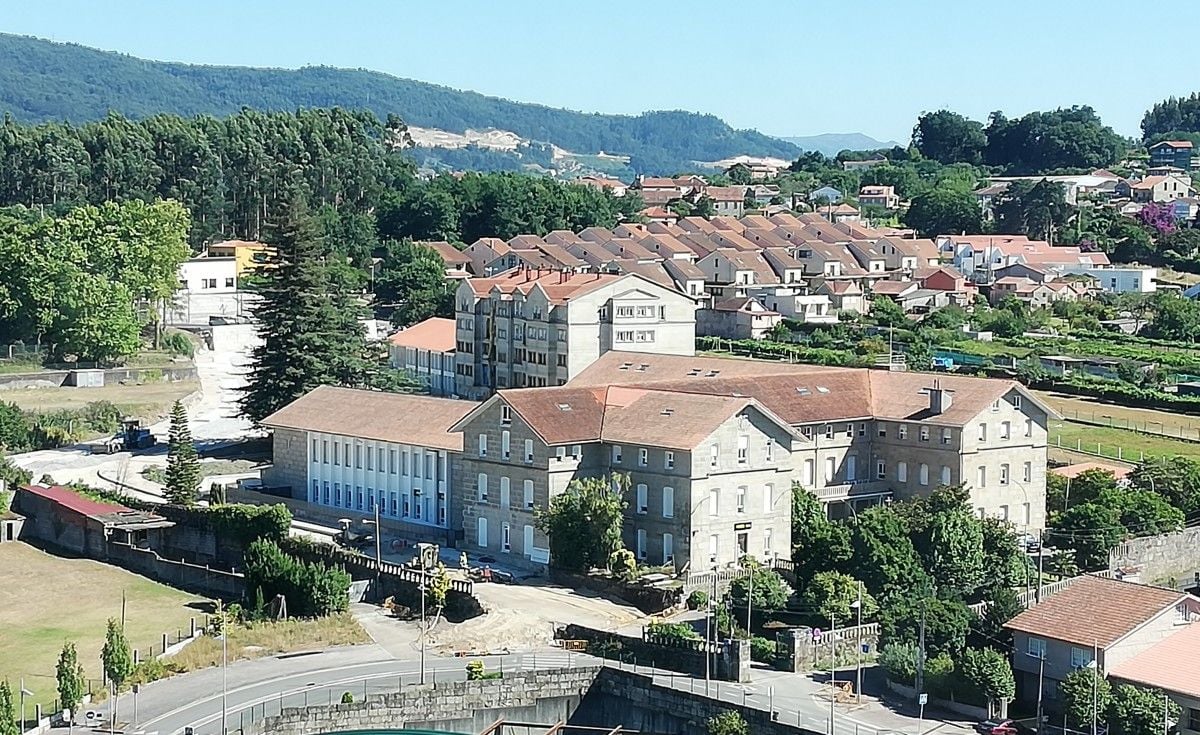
{"x":43,"y":80}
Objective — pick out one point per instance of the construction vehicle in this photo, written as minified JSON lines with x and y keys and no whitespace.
{"x":134,"y":436}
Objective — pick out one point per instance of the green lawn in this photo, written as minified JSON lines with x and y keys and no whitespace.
{"x":1132,"y":444}
{"x":50,"y":599}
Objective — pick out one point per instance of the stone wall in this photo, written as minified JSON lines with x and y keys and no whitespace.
{"x":1160,"y":559}
{"x":729,"y":660}
{"x":179,"y":574}
{"x":546,"y":696}
{"x":59,"y":378}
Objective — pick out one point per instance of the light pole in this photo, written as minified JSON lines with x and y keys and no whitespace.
{"x":424,"y":586}
{"x":832,"y":670}
{"x":749,"y":566}
{"x":379,"y":548}
{"x":24,"y":693}
{"x":1094,"y":665}
{"x":1041,"y":657}
{"x":224,"y":668}
{"x":858,"y":605}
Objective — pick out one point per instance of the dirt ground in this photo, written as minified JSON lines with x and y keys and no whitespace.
{"x":1172,"y":424}
{"x":148,"y":401}
{"x":49,"y":600}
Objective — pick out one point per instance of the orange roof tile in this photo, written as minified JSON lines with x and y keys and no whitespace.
{"x":435,"y":334}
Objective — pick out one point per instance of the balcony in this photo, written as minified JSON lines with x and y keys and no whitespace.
{"x":853,"y":490}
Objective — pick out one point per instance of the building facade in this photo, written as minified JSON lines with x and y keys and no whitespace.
{"x":529,"y":328}
{"x":426,"y":351}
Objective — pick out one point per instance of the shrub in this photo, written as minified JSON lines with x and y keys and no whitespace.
{"x":622,"y":563}
{"x":178,"y":343}
{"x":311,"y":589}
{"x":697,"y":600}
{"x":347,"y":698}
{"x":671,"y":634}
{"x":762,"y":650}
{"x":727,"y":723}
{"x":475,"y":670}
{"x":899,"y":661}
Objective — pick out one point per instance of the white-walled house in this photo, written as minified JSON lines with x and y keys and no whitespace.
{"x":205,"y":275}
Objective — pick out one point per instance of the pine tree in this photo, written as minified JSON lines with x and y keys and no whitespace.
{"x":8,"y":713}
{"x":183,"y":466}
{"x":115,"y":655}
{"x":70,"y":678}
{"x":308,"y":321}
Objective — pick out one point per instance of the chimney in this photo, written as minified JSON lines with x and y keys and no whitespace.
{"x":940,"y":399}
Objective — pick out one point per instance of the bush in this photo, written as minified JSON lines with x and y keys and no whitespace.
{"x":622,"y":563}
{"x":762,"y":650}
{"x":727,"y":723}
{"x":474,"y":670}
{"x":153,"y":669}
{"x":899,"y":662}
{"x":178,"y":343}
{"x":671,"y":634}
{"x":311,"y":589}
{"x":697,"y":600}
{"x":347,"y":698}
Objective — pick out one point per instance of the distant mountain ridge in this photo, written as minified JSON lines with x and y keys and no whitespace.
{"x":44,"y":80}
{"x":830,"y":144}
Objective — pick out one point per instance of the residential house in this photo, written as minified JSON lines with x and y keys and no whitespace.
{"x":426,"y":351}
{"x":456,"y":262}
{"x":1159,"y":189}
{"x":844,"y":296}
{"x":764,"y":194}
{"x":742,"y":317}
{"x":1094,"y":619}
{"x":840,"y":213}
{"x":1177,"y":153}
{"x":347,"y":451}
{"x":660,"y":215}
{"x":727,"y":201}
{"x":208,"y":275}
{"x":529,"y":328}
{"x":1170,"y":667}
{"x":613,"y":186}
{"x":826,"y":194}
{"x":249,"y":255}
{"x":484,"y":252}
{"x":873,"y":195}
{"x":875,"y":159}
{"x":808,"y":308}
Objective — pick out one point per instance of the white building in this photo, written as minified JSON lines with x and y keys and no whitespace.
{"x":205,"y":275}
{"x":1122,"y":279}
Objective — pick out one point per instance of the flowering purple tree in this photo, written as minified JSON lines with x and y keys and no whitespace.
{"x":1158,"y":217}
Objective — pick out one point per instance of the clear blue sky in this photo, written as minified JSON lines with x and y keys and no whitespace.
{"x":790,"y":67}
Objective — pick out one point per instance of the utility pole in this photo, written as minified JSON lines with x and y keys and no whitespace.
{"x":832,"y":671}
{"x":424,"y":587}
{"x":1041,"y":684}
{"x":1041,"y":556}
{"x":920,"y":682}
{"x":749,"y":598}
{"x":859,"y":645}
{"x":224,"y":668}
{"x":1095,"y":684}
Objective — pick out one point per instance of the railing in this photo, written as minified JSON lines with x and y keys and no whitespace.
{"x":409,"y":574}
{"x":705,"y":580}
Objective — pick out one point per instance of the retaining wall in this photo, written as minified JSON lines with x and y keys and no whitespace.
{"x":729,"y":660}
{"x":58,"y":378}
{"x":1170,"y":556}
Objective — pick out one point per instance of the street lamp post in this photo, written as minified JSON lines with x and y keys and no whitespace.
{"x":24,"y":693}
{"x":1041,"y":657}
{"x":224,"y":668}
{"x":424,"y":587}
{"x":858,"y":604}
{"x":832,"y":671}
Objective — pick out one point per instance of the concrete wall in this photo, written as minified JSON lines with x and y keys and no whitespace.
{"x":179,"y":574}
{"x":1160,"y":558}
{"x":725,"y":660}
{"x":58,"y":378}
{"x":546,"y":696}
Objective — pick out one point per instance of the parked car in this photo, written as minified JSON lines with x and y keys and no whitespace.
{"x":1002,"y":726}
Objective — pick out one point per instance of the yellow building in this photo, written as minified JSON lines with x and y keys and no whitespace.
{"x":249,"y":254}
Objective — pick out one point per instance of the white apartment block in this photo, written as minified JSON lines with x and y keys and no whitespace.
{"x":205,"y":275}
{"x":530,"y":328}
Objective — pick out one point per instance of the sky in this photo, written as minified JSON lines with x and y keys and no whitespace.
{"x":789,"y":67}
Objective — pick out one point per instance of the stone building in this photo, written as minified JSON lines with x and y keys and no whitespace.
{"x":531,"y":328}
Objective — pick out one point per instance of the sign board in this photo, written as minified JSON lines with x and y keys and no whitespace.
{"x":923,"y":699}
{"x":539,"y":556}
{"x":743,"y":526}
{"x":816,"y":634}
{"x":92,"y":715}
{"x":866,"y":648}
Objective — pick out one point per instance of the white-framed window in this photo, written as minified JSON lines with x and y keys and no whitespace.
{"x":714,"y":502}
{"x":616,"y":454}
{"x":945,"y":474}
{"x":996,"y":405}
{"x":528,"y":451}
{"x":643,"y":456}
{"x":981,"y":476}
{"x":1016,"y":400}
{"x":741,"y":499}
{"x":850,"y":431}
{"x":505,"y":414}
{"x":1080,"y":657}
{"x":902,"y":471}
{"x":505,"y":445}
{"x":902,"y":431}
{"x":668,"y":502}
{"x":862,"y":429}
{"x":505,"y":492}
{"x":712,"y":548}
{"x":641,"y":544}
{"x":1005,"y":429}
{"x":809,"y":475}
{"x":505,"y":538}
{"x":527,"y":494}
{"x":315,"y":450}
{"x":983,"y":432}
{"x":1027,"y":472}
{"x":768,"y":497}
{"x":743,"y":449}
{"x":923,"y":474}
{"x":766,"y":542}
{"x":643,"y":498}
{"x":770,"y":449}
{"x":1028,"y":427}
{"x":880,"y":469}
{"x":830,"y":469}
{"x":946,"y":436}
{"x":1004,"y":474}
{"x":669,"y":460}
{"x":482,"y":487}
{"x":560,"y":453}
{"x":851,"y":467}
{"x":481,"y":534}
{"x":1035,"y":647}
{"x":924,"y":433}
{"x":325,"y":451}
{"x":828,"y":431}
{"x":881,"y":429}
{"x":576,"y":451}
{"x":668,"y":548}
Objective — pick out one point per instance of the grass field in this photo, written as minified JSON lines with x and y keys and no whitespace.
{"x":146,"y":401}
{"x":264,"y":639}
{"x":1122,"y":417}
{"x":1131,"y":444}
{"x":49,"y":600}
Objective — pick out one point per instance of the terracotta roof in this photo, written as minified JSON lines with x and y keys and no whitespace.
{"x":557,"y":285}
{"x":893,"y":288}
{"x":1095,"y":610}
{"x":435,"y":334}
{"x":450,"y":255}
{"x":1174,"y":143}
{"x":658,"y":213}
{"x":421,"y":421}
{"x":1169,"y":665}
{"x":1075,"y":470}
{"x":68,"y":498}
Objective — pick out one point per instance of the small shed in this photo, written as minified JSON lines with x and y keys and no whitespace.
{"x":86,"y":378}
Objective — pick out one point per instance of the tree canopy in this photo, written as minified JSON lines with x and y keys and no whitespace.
{"x":948,"y":137}
{"x":584,"y":523}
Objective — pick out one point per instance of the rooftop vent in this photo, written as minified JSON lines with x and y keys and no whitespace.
{"x":804,"y":391}
{"x":668,"y":411}
{"x":625,"y":366}
{"x":694,"y":372}
{"x":564,"y":407}
{"x":713,"y":373}
{"x":642,"y":367}
{"x":822,"y":389}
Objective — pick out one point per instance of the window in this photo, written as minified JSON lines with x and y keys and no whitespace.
{"x":392,"y":461}
{"x":1192,"y":717}
{"x":830,"y":469}
{"x":505,"y":415}
{"x":1028,"y":427}
{"x":315,"y":451}
{"x":370,"y":461}
{"x":404,"y":462}
{"x":996,"y":405}
{"x":337,"y":493}
{"x":945,"y":474}
{"x":767,"y":542}
{"x":806,"y":432}
{"x":358,"y":456}
{"x":528,"y":451}
{"x":714,"y":454}
{"x":809,"y":475}
{"x":669,"y":460}
{"x":316,"y":491}
{"x":668,"y":548}
{"x":881,"y":430}
{"x":616,"y":454}
{"x":981,"y":477}
{"x":983,"y":432}
{"x":770,"y":449}
{"x":743,"y":449}
{"x":337,"y":446}
{"x":643,"y":457}
{"x":850,"y":430}
{"x":230,"y":282}
{"x":862,"y":429}
{"x":1005,"y":429}
{"x":902,"y":432}
{"x":1003,"y":514}
{"x":945,"y":436}
{"x":1035,"y":647}
{"x":505,"y":445}
{"x":828,"y":431}
{"x":505,"y":538}
{"x":625,"y":335}
{"x":712,"y":549}
{"x":902,"y":472}
{"x":741,"y":499}
{"x":505,"y":494}
{"x":482,"y":487}
{"x":643,"y":502}
{"x":576,"y":451}
{"x":325,"y":451}
{"x":1016,"y":401}
{"x":851,"y":467}
{"x":208,"y":283}
{"x":358,"y":498}
{"x":527,"y":493}
{"x":714,"y":502}
{"x":1004,"y":474}
{"x":325,"y":492}
{"x":668,"y":502}
{"x":924,"y":433}
{"x":880,"y":469}
{"x":1025,"y":514}
{"x":1027,"y":472}
{"x":641,"y":544}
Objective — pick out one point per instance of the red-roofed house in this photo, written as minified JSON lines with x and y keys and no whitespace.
{"x":426,"y":351}
{"x":61,"y":517}
{"x":457,"y":262}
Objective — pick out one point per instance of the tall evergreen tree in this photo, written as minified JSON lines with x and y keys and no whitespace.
{"x":183,"y":466}
{"x":8,"y":712}
{"x":115,"y":656}
{"x":308,"y":320}
{"x":69,"y":674}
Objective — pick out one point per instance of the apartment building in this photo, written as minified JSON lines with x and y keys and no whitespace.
{"x":426,"y":351}
{"x":347,"y":450}
{"x":531,"y":328}
{"x":707,"y":475}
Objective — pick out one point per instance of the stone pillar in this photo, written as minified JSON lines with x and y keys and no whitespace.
{"x":737,"y":660}
{"x":795,"y":646}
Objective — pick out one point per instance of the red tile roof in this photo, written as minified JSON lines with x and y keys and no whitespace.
{"x":1095,"y":610}
{"x":72,"y":500}
{"x":435,"y":334}
{"x":1169,"y":665}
